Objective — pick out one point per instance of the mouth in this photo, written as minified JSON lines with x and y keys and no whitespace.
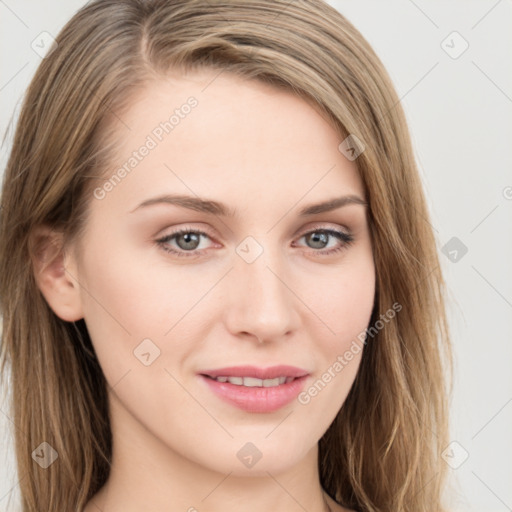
{"x":253,"y":382}
{"x":257,"y":390}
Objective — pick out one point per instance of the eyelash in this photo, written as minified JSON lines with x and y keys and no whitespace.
{"x":346,"y":239}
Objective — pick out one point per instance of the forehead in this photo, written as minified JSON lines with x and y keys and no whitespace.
{"x":211,"y":133}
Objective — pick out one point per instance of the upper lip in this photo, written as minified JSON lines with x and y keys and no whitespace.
{"x":258,"y":373}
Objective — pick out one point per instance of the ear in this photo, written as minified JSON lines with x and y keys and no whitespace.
{"x":55,"y":272}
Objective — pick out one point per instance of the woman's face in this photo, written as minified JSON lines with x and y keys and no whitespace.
{"x":256,"y":283}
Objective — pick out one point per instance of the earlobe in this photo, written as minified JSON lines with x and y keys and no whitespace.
{"x":55,"y":273}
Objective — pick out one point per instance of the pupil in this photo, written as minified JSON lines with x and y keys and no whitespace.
{"x":319,"y":237}
{"x":191,"y":240}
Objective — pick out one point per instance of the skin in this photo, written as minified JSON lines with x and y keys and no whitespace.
{"x":267,"y":154}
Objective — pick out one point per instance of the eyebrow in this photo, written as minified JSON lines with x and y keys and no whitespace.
{"x":216,"y":208}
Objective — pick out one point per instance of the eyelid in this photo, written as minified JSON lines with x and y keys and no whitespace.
{"x":332,"y":231}
{"x":319,"y":226}
{"x":188,"y":228}
{"x":299,"y":233}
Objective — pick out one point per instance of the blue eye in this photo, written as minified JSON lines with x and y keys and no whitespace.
{"x":187,"y":241}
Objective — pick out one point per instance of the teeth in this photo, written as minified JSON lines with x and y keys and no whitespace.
{"x":252,"y":382}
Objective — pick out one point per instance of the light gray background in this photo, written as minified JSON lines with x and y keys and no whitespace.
{"x":460,"y":115}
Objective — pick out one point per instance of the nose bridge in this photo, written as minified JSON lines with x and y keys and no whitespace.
{"x":261,"y":303}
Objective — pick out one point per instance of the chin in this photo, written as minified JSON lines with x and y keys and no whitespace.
{"x":251,"y":456}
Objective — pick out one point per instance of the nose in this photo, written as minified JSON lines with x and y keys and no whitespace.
{"x":261,"y":303}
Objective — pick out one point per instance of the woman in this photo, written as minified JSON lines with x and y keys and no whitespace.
{"x":219,"y":285}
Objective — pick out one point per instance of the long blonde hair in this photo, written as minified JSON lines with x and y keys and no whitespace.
{"x":382,"y":452}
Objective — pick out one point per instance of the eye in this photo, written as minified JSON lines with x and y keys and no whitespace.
{"x":186,"y":242}
{"x":320,"y":238}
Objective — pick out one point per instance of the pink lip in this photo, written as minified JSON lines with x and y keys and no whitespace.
{"x":256,"y":399}
{"x":258,"y":373}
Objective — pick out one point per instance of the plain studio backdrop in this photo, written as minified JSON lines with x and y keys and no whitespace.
{"x":450,"y":63}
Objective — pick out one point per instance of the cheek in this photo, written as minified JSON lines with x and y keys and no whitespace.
{"x":345,"y":305}
{"x":129,"y":298}
{"x":344,"y":300}
{"x":127,"y":293}
{"x":122,"y":304}
{"x":346,"y":309}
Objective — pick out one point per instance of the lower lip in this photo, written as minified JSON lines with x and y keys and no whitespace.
{"x":256,"y":399}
